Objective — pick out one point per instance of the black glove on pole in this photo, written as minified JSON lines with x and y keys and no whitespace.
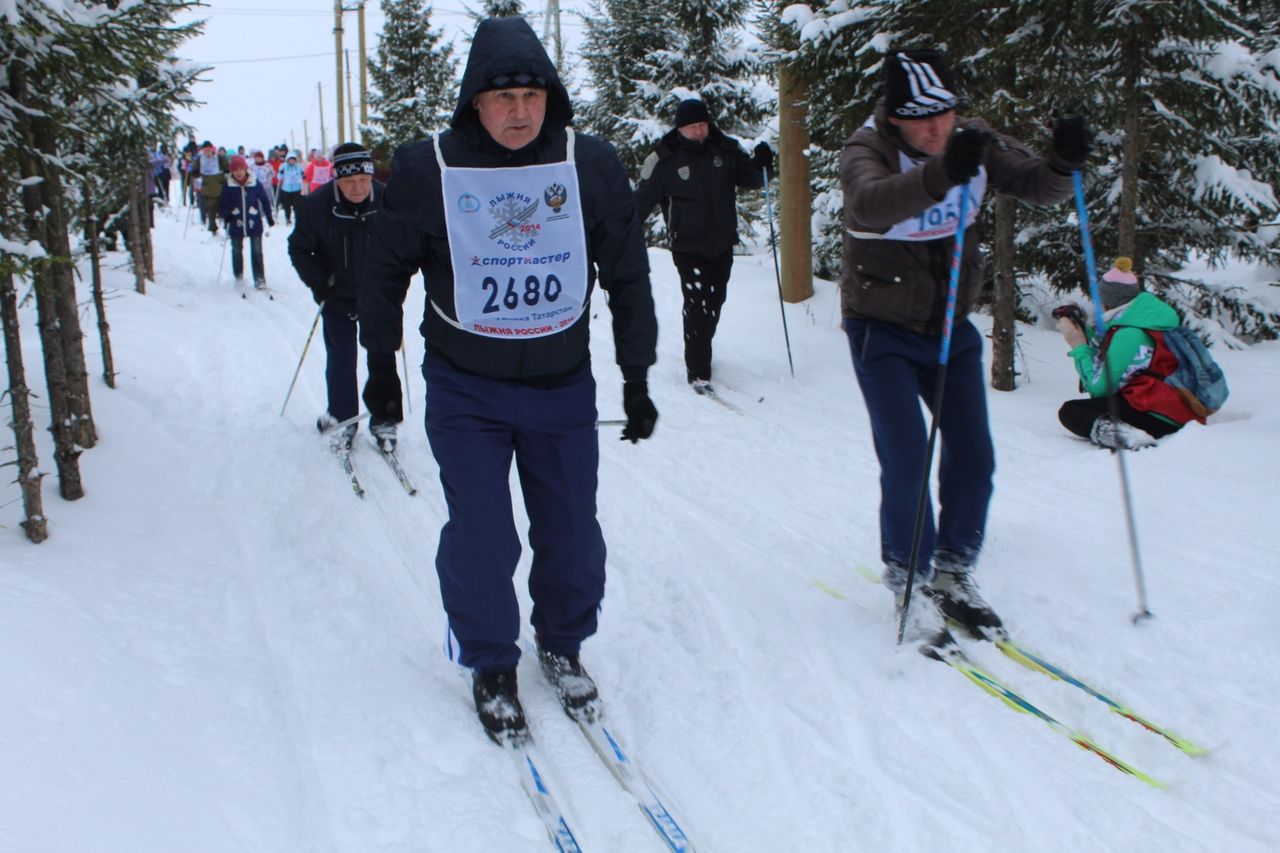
{"x":964,"y":153}
{"x":642,"y":415}
{"x":763,"y":158}
{"x":1072,"y":139}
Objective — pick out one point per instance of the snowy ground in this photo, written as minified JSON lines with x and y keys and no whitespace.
{"x":221,"y":649}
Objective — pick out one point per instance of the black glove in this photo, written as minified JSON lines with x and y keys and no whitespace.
{"x":382,"y":394}
{"x":763,"y":159}
{"x":642,"y":415}
{"x":964,"y":154}
{"x":1072,"y":139}
{"x":321,"y":292}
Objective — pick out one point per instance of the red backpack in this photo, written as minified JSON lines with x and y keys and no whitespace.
{"x":1147,"y":390}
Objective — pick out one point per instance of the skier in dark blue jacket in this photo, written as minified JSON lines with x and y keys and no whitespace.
{"x":243,"y":204}
{"x":512,"y":217}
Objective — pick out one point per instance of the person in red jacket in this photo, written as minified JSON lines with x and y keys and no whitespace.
{"x":318,"y":172}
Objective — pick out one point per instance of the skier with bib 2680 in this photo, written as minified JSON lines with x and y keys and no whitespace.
{"x":901,"y":174}
{"x":512,"y":216}
{"x":694,"y":172}
{"x":329,"y":249}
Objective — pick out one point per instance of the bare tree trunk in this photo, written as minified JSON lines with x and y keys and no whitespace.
{"x":29,"y":475}
{"x":795,"y":203}
{"x":65,"y":455}
{"x":99,"y":303}
{"x":133,"y":228}
{"x":149,"y":222}
{"x":1004,"y":326}
{"x":1004,"y":311}
{"x":1131,"y":152}
{"x":62,"y":268}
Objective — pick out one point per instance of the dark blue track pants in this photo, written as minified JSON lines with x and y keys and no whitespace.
{"x":476,"y":426}
{"x":341,"y":351}
{"x":896,"y":369}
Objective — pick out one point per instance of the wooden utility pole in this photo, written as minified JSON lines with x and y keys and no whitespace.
{"x":324,"y":143}
{"x":306,"y":138}
{"x":551,"y":30}
{"x":351,"y":104}
{"x":794,"y":197}
{"x":337,"y":58}
{"x":364,"y":77}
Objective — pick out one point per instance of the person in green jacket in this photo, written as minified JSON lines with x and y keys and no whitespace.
{"x":1128,"y":361}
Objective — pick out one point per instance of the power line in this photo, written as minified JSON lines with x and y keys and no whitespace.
{"x":262,"y":59}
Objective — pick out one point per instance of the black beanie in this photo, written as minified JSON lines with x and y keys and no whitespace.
{"x":691,"y":111}
{"x":351,"y":159}
{"x":918,"y":84}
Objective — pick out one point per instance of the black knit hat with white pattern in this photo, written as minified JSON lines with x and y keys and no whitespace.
{"x":918,"y":84}
{"x":351,"y":159}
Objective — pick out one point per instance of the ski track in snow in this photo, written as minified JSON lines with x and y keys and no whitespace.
{"x":220,"y":648}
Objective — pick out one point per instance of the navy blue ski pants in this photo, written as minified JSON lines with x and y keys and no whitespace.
{"x":476,"y":426}
{"x":896,"y":369}
{"x":341,"y":352}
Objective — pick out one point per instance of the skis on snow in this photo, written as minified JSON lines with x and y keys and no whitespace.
{"x":393,"y":462}
{"x":527,"y":760}
{"x":1036,"y":663}
{"x":952,"y":655}
{"x":710,"y":393}
{"x":634,"y":782}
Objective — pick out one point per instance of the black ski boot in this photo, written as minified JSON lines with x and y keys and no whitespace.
{"x":925,"y":628}
{"x":961,"y":602}
{"x":499,"y":707}
{"x":573,"y":685}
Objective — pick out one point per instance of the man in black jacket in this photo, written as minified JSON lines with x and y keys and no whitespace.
{"x":512,"y":216}
{"x":694,"y":171}
{"x":328,"y":250}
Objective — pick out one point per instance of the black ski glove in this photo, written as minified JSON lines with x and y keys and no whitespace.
{"x":763,"y":158}
{"x":1072,"y":139}
{"x":964,"y":154}
{"x":382,"y":394}
{"x":321,"y":292}
{"x":642,"y":415}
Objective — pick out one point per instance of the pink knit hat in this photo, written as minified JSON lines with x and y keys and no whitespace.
{"x":1119,"y":284}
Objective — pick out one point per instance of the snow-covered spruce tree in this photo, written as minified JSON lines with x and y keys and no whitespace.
{"x":1184,"y":100}
{"x":414,"y":77}
{"x":502,"y":8}
{"x":66,"y":61}
{"x":621,"y":36}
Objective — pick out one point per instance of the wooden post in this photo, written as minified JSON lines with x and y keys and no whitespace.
{"x":337,"y":57}
{"x":351,"y":105}
{"x":364,"y":79}
{"x":1004,"y":320}
{"x":794,"y":198}
{"x":324,"y":143}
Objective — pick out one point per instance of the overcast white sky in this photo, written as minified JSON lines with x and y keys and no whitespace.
{"x":268,"y":56}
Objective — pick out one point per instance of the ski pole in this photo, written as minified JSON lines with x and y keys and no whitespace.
{"x":1113,"y":397}
{"x":940,"y":385}
{"x":404,"y":358}
{"x":305,"y":347}
{"x":354,"y":419}
{"x":777,"y":274}
{"x":222,"y":260}
{"x":612,"y":422}
{"x":188,"y":225}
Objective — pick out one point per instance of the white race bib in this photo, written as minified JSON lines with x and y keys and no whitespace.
{"x":519,"y":251}
{"x":938,"y":220}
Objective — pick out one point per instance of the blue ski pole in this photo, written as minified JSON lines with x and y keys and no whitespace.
{"x":777,"y":274}
{"x":1113,"y":398}
{"x":943,"y":354}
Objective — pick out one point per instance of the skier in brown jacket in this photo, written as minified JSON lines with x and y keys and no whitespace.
{"x":901,"y":173}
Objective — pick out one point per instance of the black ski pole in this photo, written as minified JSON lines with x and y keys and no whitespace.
{"x":939,"y":386}
{"x":1113,"y":399}
{"x":303,"y":358}
{"x":777,"y":274}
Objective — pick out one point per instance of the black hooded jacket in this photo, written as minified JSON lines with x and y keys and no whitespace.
{"x":410,"y":231}
{"x":696,"y":183}
{"x":330,"y":239}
